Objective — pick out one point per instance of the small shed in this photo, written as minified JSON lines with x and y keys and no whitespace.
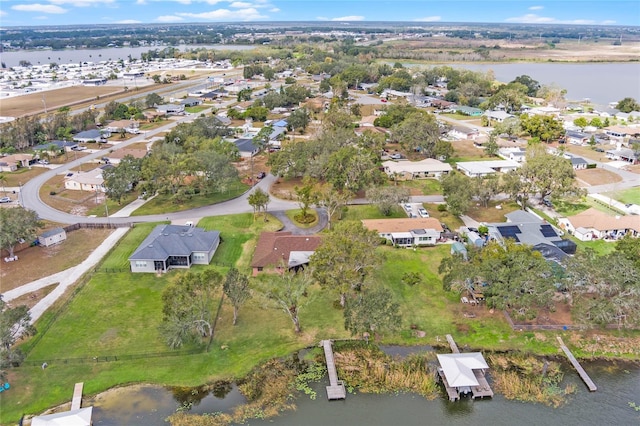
{"x":52,"y":237}
{"x":459,"y":248}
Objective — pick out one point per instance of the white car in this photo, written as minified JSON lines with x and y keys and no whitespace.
{"x":5,"y":200}
{"x":423,"y":213}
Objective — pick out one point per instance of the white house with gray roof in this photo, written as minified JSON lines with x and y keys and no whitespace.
{"x":174,"y":246}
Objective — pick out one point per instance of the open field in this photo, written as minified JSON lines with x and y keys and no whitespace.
{"x":597,"y":176}
{"x":32,"y":104}
{"x":37,"y":262}
{"x":446,"y":49}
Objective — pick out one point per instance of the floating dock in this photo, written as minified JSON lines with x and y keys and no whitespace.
{"x":336,"y":389}
{"x":583,"y":374}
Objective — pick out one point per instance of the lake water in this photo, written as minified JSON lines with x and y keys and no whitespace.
{"x":618,"y":385}
{"x":12,"y":59}
{"x":600,"y":82}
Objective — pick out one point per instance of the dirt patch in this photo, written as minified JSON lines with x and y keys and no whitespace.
{"x":285,"y":188}
{"x":249,"y":169}
{"x":32,"y":104}
{"x":30,"y":299}
{"x":38,"y":262}
{"x":597,"y":176}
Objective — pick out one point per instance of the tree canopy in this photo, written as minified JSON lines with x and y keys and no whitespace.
{"x":17,"y":224}
{"x":190,"y":307}
{"x":345,"y":258}
{"x":15,"y":322}
{"x":513,"y":276}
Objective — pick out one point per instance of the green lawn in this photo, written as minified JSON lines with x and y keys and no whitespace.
{"x":425,"y":186}
{"x":370,"y":212}
{"x":626,"y":196}
{"x":164,"y":204}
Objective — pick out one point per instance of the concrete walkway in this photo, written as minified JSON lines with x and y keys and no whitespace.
{"x":65,"y":278}
{"x":131,"y":207}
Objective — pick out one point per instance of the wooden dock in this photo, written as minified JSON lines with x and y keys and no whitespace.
{"x":336,"y":389}
{"x":76,"y":401}
{"x":483,"y":389}
{"x":583,"y":374}
{"x":452,"y":343}
{"x":451,"y":391}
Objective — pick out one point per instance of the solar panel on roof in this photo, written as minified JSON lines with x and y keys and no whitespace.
{"x":509,"y":232}
{"x":548,"y":231}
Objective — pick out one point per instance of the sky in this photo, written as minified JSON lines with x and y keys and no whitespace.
{"x":83,"y":12}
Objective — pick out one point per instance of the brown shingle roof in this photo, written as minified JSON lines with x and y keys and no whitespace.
{"x":601,"y":221}
{"x":274,"y":247}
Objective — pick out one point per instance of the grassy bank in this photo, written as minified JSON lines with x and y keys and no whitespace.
{"x":109,"y":334}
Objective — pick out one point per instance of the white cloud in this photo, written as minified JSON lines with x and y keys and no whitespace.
{"x":141,"y":2}
{"x":169,"y":18}
{"x":349,"y":18}
{"x":240,"y":4}
{"x":608,"y":22}
{"x":3,"y":13}
{"x":248,"y":14}
{"x":536,"y":8}
{"x":531,"y":18}
{"x":274,"y":10}
{"x":40,"y":8}
{"x":128,"y":21}
{"x":429,"y":19}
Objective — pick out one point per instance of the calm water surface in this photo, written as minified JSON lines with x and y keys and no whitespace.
{"x":618,"y":385}
{"x":36,"y":57}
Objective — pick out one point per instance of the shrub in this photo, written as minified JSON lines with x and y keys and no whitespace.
{"x":442,"y":207}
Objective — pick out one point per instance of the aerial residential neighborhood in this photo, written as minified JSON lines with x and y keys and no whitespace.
{"x":217,"y":210}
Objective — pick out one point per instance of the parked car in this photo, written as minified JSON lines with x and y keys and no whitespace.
{"x":396,"y":156}
{"x":5,"y":200}
{"x":423,"y":213}
{"x":261,"y":175}
{"x":408,"y":207}
{"x":43,"y":162}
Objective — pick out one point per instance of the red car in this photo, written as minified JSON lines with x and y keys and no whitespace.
{"x":383,"y":100}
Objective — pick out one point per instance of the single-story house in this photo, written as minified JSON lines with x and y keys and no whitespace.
{"x":246,"y":147}
{"x":407,"y":232}
{"x":276,"y":250}
{"x":497,"y":116}
{"x":92,"y":136}
{"x":12,"y":162}
{"x":470,"y":111}
{"x":79,"y":417}
{"x":408,"y":170}
{"x":623,"y":154}
{"x":224,"y":121}
{"x":281,"y":123}
{"x":174,"y":246}
{"x":517,"y":154}
{"x":52,"y":237}
{"x":276,"y":135}
{"x":576,"y":138}
{"x":190,"y":102}
{"x":578,"y":163}
{"x":441,"y":103}
{"x":170,"y":109}
{"x":593,"y":224}
{"x":85,"y":181}
{"x":214,"y":94}
{"x":54,"y":147}
{"x":484,"y":168}
{"x":116,"y":156}
{"x":460,"y":133}
{"x":129,"y":126}
{"x":526,"y":228}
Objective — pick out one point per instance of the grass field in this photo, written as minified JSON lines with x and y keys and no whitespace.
{"x":631,"y":195}
{"x":162,"y":203}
